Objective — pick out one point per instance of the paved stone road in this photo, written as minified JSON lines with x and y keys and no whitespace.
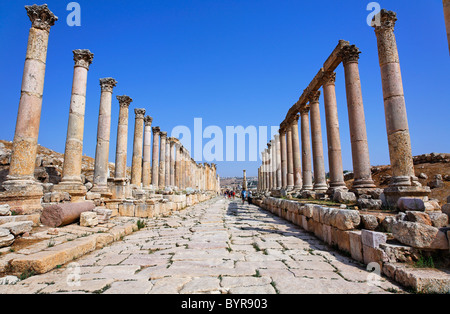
{"x":215,"y":247}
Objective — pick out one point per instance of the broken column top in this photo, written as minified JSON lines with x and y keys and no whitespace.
{"x":41,"y":17}
{"x":148,"y":121}
{"x":156,"y":129}
{"x":387,"y":19}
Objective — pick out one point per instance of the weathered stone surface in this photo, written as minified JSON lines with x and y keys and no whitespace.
{"x":5,"y":210}
{"x":342,"y":196}
{"x":9,"y":280}
{"x":373,"y":239}
{"x":419,"y":217}
{"x":432,"y":205}
{"x":308,"y":211}
{"x":423,"y":280}
{"x":400,"y":253}
{"x":387,"y":223}
{"x":419,"y":235}
{"x":438,"y":219}
{"x":411,"y":204}
{"x":6,"y":238}
{"x":446,"y":209}
{"x":346,"y":219}
{"x":369,"y":222}
{"x":19,"y":227}
{"x":365,"y":203}
{"x":356,"y":249}
{"x":88,"y":219}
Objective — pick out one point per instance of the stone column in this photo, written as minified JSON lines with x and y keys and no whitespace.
{"x":284,"y":166}
{"x":146,"y":164}
{"x":136,"y":163}
{"x":177,"y":165}
{"x":269,"y":166}
{"x":172,"y":162}
{"x":103,"y":136}
{"x":320,"y":180}
{"x":447,"y":19}
{"x":403,"y":182}
{"x":278,"y":161}
{"x":71,"y":174}
{"x":306,"y":151}
{"x":155,"y":157}
{"x":263,"y":170}
{"x":244,"y":181}
{"x":333,"y":134}
{"x":122,"y":140}
{"x":167,"y":160}
{"x":23,"y":192}
{"x":298,"y":183}
{"x":120,"y":177}
{"x":360,"y":149}
{"x":162,"y":161}
{"x":289,"y":159}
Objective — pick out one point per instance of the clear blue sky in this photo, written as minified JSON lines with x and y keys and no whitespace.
{"x":229,"y":62}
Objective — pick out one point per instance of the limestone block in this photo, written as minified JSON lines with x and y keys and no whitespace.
{"x":411,"y":204}
{"x":5,"y":210}
{"x":341,"y":196}
{"x":446,"y":209}
{"x":423,"y":280}
{"x":88,"y":219}
{"x":6,"y":238}
{"x":438,"y":220}
{"x":400,"y":253}
{"x":18,"y":227}
{"x":316,"y":213}
{"x":141,"y":210}
{"x":374,"y":255}
{"x":419,"y":235}
{"x":365,"y":203}
{"x":326,"y":232}
{"x":341,"y":238}
{"x":356,"y":249}
{"x":308,"y":211}
{"x":346,"y":219}
{"x":127,"y":209}
{"x":432,"y":205}
{"x":304,"y":223}
{"x":369,"y":222}
{"x":318,"y":230}
{"x":419,"y":217}
{"x":373,"y":239}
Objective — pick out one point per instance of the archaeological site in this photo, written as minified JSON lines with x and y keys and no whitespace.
{"x":158,"y":221}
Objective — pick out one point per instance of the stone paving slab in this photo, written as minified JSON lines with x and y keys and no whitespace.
{"x":212,"y":248}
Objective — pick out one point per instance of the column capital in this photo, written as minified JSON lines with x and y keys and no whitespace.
{"x":83,"y":58}
{"x":387,"y":20}
{"x":282,"y":131}
{"x":41,"y":17}
{"x":349,"y":54}
{"x":124,"y":101}
{"x":156,"y":130}
{"x":148,"y":121}
{"x":304,"y":110}
{"x":329,"y":78}
{"x":140,"y":113}
{"x":314,"y":97}
{"x":107,"y":84}
{"x":269,"y":145}
{"x":164,"y":135}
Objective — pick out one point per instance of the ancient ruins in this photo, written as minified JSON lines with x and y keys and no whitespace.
{"x":389,"y":228}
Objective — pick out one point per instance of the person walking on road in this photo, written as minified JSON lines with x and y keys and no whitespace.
{"x":243,"y":195}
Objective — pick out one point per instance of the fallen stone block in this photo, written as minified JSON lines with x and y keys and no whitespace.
{"x":6,"y":238}
{"x":438,"y":220}
{"x":419,"y":217}
{"x":18,"y":227}
{"x":88,"y":219}
{"x":411,"y":204}
{"x":59,"y":215}
{"x":369,"y":222}
{"x":346,"y":219}
{"x":5,"y":210}
{"x":341,"y":196}
{"x":423,"y":280}
{"x":419,"y":235}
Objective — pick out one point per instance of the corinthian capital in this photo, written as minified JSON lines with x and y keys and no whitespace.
{"x":41,"y":17}
{"x":148,"y":121}
{"x":329,"y":78}
{"x":156,"y":130}
{"x":124,"y":101}
{"x":83,"y":58}
{"x":387,"y":20}
{"x":349,"y":54}
{"x":140,"y":113}
{"x":314,"y":96}
{"x":108,"y":84}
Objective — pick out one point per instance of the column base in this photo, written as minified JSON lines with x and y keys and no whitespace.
{"x":394,"y":193}
{"x":120,"y":190}
{"x":24,"y":197}
{"x":76,"y":190}
{"x":102,"y":190}
{"x":320,"y":188}
{"x":332,"y":189}
{"x":362,"y":186}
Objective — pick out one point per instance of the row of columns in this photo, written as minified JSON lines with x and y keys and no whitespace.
{"x":292,"y":178}
{"x":172,"y":165}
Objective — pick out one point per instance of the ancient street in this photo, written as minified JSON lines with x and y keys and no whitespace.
{"x":219,"y":246}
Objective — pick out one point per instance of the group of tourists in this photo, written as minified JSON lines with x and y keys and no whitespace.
{"x":229,"y":194}
{"x":245,"y":195}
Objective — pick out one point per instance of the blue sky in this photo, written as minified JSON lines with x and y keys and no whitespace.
{"x":231,"y":63}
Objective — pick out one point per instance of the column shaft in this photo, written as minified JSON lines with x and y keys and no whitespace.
{"x":162,"y":161}
{"x":306,"y":151}
{"x":136,"y":166}
{"x":146,"y":164}
{"x":360,"y":148}
{"x":298,"y":183}
{"x":290,"y":159}
{"x":333,"y":134}
{"x":103,"y":137}
{"x":155,"y":157}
